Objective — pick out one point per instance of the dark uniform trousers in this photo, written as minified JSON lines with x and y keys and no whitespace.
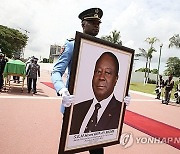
{"x":30,"y":80}
{"x":97,"y":151}
{"x":1,"y":81}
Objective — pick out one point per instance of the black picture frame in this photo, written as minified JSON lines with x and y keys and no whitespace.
{"x":86,"y":51}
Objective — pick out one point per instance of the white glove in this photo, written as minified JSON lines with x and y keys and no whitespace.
{"x":127,"y":99}
{"x":67,"y":99}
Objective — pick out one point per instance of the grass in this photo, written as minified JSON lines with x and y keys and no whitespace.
{"x":146,"y":88}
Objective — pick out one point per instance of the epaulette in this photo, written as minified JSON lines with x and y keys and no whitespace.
{"x":71,"y":39}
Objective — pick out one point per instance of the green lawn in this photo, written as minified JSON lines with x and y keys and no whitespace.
{"x":146,"y":88}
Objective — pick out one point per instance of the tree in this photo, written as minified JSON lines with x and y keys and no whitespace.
{"x":151,"y":41}
{"x":148,"y":56}
{"x":142,"y":70}
{"x":114,"y":37}
{"x":174,"y":41}
{"x":144,"y":54}
{"x":154,"y":71}
{"x":173,"y":65}
{"x":12,"y":41}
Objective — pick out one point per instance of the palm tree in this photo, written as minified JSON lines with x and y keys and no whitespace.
{"x":174,"y":41}
{"x":144,"y":54}
{"x":150,"y":52}
{"x":114,"y":37}
{"x":148,"y":55}
{"x":151,"y":41}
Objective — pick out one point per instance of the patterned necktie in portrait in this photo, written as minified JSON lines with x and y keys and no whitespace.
{"x":93,"y":120}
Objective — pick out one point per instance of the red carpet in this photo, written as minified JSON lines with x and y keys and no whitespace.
{"x":49,"y":84}
{"x":154,"y":128}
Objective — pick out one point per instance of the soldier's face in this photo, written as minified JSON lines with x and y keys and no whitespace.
{"x":91,"y":27}
{"x":104,"y":78}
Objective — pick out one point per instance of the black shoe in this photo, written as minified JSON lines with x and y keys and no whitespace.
{"x":34,"y":92}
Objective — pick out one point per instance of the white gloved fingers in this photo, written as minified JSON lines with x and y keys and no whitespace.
{"x":127,"y":100}
{"x":67,"y":104}
{"x":64,"y":92}
{"x":68,"y":100}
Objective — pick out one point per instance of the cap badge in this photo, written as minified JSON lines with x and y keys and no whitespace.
{"x":96,"y":15}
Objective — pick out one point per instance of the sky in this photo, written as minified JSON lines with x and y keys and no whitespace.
{"x":50,"y":22}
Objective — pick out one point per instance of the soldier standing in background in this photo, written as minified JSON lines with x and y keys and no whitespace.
{"x":177,"y":93}
{"x":32,"y":72}
{"x":3,"y":62}
{"x":169,"y":84}
{"x":159,"y":87}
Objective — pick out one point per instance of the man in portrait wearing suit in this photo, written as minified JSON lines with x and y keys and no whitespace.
{"x":103,"y":111}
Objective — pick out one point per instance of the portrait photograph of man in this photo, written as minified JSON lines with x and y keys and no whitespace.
{"x":103,"y":111}
{"x":100,"y":86}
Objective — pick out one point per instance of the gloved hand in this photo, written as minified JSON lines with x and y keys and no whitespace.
{"x":127,"y":99}
{"x":67,"y":99}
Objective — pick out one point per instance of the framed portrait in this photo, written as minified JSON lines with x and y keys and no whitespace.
{"x":99,"y":79}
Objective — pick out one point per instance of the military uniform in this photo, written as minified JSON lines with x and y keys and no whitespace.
{"x":65,"y":60}
{"x":169,"y":84}
{"x":159,"y":87}
{"x":32,"y":72}
{"x":177,"y":93}
{"x":3,"y":62}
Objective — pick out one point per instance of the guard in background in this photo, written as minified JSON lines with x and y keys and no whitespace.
{"x":169,"y":84}
{"x":30,"y":61}
{"x":33,"y":71}
{"x":159,"y":87}
{"x":177,"y":93}
{"x":3,"y":62}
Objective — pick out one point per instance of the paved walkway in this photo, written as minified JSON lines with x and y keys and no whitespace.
{"x":31,"y":124}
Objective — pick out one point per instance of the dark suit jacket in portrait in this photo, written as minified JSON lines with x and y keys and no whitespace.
{"x":108,"y":120}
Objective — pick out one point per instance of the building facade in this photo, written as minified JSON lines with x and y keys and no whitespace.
{"x":55,"y":51}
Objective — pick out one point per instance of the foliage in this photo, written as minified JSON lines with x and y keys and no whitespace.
{"x":173,"y":65}
{"x":151,"y":81}
{"x":142,"y":70}
{"x":12,"y":41}
{"x":151,"y":40}
{"x":174,"y":41}
{"x":148,"y":55}
{"x":154,"y":71}
{"x":114,"y":37}
{"x":45,"y":60}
